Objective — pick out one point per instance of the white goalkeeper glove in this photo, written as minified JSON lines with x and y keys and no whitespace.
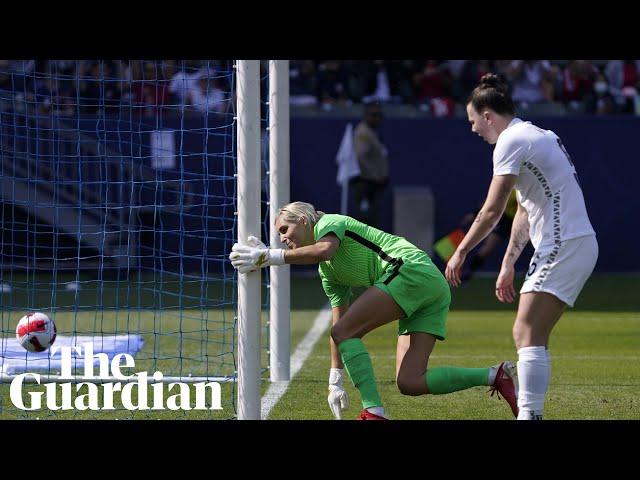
{"x":255,"y":254}
{"x":338,"y":398}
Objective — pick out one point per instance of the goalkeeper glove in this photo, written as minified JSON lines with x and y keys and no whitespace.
{"x":255,"y":254}
{"x":338,"y":398}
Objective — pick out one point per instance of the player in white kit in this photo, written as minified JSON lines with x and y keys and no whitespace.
{"x":551,"y":213}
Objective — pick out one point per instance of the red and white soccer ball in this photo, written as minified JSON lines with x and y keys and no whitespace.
{"x":36,"y":332}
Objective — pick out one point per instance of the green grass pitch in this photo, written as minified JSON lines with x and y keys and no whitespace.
{"x":594,"y":350}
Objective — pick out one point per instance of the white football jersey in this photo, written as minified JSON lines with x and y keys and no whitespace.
{"x":547,"y":185}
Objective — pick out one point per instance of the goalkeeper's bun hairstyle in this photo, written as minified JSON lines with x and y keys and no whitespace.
{"x":293,"y":212}
{"x":492,"y":93}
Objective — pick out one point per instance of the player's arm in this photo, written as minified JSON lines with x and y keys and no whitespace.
{"x":486,"y":220}
{"x":321,"y":251}
{"x":518,"y":240}
{"x":490,"y":213}
{"x":255,"y":254}
{"x":338,"y":398}
{"x":519,"y":237}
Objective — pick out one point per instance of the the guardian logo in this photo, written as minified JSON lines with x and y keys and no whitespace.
{"x":134,"y":395}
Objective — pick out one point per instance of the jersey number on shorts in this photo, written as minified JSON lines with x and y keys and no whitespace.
{"x":564,"y":150}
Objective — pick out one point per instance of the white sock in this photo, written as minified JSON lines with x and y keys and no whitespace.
{"x":534,"y":370}
{"x":548,"y":369}
{"x":377,"y":411}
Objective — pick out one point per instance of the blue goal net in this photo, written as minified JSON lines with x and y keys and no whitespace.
{"x":118,"y":212}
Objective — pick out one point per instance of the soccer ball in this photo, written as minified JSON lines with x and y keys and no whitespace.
{"x":36,"y":332}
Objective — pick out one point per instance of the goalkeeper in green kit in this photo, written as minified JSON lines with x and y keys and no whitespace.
{"x":404,"y":285}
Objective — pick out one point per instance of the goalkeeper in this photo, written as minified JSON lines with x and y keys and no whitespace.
{"x":403,"y":285}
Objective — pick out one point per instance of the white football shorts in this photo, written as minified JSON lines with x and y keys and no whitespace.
{"x":563,"y":269}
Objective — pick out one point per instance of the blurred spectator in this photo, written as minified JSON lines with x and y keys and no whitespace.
{"x":502,"y":67}
{"x":630,"y":73}
{"x":110,"y":94}
{"x":377,"y":87}
{"x":332,"y":84}
{"x":614,"y":71}
{"x":406,"y":70}
{"x":434,"y":88}
{"x":302,"y":82}
{"x":384,"y":82}
{"x":64,"y":74}
{"x":183,"y":84}
{"x":630,"y":84}
{"x":208,"y":96}
{"x":99,"y":90}
{"x":22,"y":71}
{"x":556,"y":80}
{"x":44,"y":90}
{"x":169,"y":68}
{"x":5,"y":78}
{"x":469,"y":75}
{"x":439,"y":87}
{"x":148,"y":89}
{"x":601,"y":102}
{"x":89,"y":87}
{"x":579,"y":77}
{"x":432,"y":81}
{"x":531,"y":81}
{"x":456,"y":66}
{"x":373,"y":158}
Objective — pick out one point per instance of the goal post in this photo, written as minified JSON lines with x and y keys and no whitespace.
{"x":280,"y":309}
{"x":249,"y":304}
{"x":123,"y":186}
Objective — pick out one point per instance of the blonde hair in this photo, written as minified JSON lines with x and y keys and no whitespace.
{"x":295,"y":211}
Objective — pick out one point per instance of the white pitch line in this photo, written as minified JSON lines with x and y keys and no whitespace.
{"x":277,"y":389}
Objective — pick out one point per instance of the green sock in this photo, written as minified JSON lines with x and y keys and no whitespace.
{"x":451,"y":379}
{"x":358,"y":364}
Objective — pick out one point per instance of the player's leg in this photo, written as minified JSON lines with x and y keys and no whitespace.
{"x":554,"y":280}
{"x":412,"y":356}
{"x":416,"y":339}
{"x":372,"y":309}
{"x":413,"y":377}
{"x":538,"y":312}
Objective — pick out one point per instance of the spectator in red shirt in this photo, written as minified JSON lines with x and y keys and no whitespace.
{"x":433,"y":88}
{"x":578,"y":80}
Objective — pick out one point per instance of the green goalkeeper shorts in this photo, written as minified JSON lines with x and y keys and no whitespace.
{"x":422,"y":292}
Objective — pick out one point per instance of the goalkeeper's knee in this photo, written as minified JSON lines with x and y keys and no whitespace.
{"x":411,"y":385}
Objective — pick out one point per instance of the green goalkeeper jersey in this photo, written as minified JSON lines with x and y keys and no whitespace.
{"x":364,"y":256}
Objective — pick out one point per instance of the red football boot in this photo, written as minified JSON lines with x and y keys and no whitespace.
{"x":506,"y":384}
{"x":367,"y":415}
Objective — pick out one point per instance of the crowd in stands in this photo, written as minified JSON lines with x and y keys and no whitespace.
{"x":437,"y":87}
{"x":90,"y":87}
{"x":581,"y":86}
